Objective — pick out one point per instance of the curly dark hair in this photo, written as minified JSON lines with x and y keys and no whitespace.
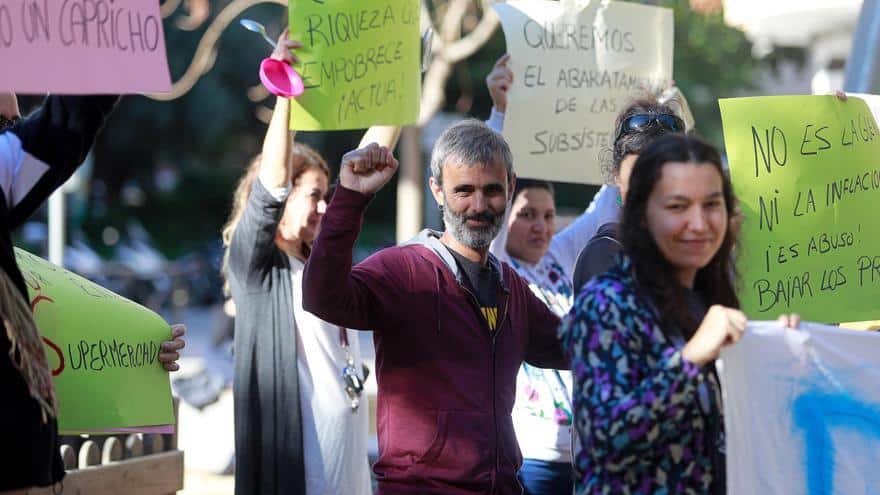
{"x":632,"y":143}
{"x":655,"y":275}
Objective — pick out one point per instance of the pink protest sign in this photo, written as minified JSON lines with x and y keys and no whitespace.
{"x":82,"y":47}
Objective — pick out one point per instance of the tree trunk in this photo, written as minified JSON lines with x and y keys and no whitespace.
{"x":410,"y":185}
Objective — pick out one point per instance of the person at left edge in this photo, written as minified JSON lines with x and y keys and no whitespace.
{"x":37,"y":155}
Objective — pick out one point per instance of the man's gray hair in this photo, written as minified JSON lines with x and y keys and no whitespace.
{"x":470,"y":142}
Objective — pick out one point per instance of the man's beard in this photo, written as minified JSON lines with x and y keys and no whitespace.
{"x":473,"y":237}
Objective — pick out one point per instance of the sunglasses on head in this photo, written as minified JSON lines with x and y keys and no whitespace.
{"x":638,"y":122}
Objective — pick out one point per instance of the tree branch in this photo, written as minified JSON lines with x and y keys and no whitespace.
{"x":468,"y":45}
{"x":450,"y":30}
{"x":168,"y":7}
{"x":198,"y":12}
{"x":425,"y":20}
{"x":206,"y":52}
{"x":433,"y":89}
{"x":451,"y":50}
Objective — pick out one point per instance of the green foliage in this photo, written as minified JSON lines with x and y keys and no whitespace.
{"x":210,"y":134}
{"x":712,"y":60}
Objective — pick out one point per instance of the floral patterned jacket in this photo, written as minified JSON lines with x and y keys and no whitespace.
{"x":636,"y":401}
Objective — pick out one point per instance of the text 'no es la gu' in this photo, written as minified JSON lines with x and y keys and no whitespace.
{"x":771,"y":145}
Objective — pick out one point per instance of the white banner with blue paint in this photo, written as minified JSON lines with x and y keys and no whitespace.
{"x":802,"y":411}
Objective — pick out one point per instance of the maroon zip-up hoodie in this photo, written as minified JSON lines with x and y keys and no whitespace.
{"x":446,"y":383}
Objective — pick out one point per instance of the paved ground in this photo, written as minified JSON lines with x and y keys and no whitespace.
{"x":206,"y":435}
{"x":201,"y":483}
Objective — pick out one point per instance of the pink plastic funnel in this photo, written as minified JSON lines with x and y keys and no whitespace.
{"x":280,"y":79}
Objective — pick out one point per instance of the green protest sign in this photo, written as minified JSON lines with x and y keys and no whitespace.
{"x":807,"y":172}
{"x":102,"y":349}
{"x":360,"y":63}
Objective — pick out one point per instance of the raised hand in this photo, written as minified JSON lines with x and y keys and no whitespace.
{"x":721,"y":327}
{"x":283,"y":49}
{"x":367,"y":169}
{"x":169,"y":353}
{"x":792,"y":320}
{"x":8,"y":105}
{"x":499,"y":81}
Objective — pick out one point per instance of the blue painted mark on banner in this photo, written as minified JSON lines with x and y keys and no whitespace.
{"x":818,"y":414}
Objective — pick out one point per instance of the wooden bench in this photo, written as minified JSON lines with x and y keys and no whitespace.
{"x":135,"y":464}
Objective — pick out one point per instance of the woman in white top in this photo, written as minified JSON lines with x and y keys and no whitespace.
{"x":301,"y":423}
{"x":530,"y":244}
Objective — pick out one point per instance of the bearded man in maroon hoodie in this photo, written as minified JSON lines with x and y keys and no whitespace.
{"x":451,"y":324}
